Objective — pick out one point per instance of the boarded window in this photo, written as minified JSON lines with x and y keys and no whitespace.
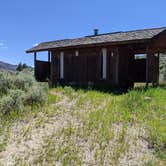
{"x":104,"y":63}
{"x":62,"y":65}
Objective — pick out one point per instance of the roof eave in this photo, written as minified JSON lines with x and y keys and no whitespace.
{"x":35,"y":50}
{"x":32,"y":50}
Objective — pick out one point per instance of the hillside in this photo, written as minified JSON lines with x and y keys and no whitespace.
{"x":86,"y":127}
{"x":7,"y":66}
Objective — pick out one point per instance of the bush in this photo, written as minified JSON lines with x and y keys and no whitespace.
{"x":18,"y":90}
{"x":23,"y":81}
{"x":6,"y":80}
{"x":36,"y":96}
{"x":12,"y":102}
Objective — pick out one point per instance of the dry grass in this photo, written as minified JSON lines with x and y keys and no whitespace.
{"x":88,"y":127}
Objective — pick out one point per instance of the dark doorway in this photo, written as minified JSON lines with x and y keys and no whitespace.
{"x":137,"y":68}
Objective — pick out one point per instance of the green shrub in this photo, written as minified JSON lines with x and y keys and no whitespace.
{"x":36,"y":96}
{"x":23,"y":81}
{"x":12,"y":102}
{"x":6,"y":82}
{"x":18,"y":90}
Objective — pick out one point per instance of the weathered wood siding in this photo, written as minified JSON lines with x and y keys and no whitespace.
{"x":86,"y":66}
{"x":159,"y":42}
{"x":112,"y":54}
{"x":157,"y":45}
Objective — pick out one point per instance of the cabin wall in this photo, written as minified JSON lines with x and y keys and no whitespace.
{"x":86,"y":67}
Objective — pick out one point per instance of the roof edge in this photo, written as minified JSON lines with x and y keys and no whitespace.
{"x":40,"y":47}
{"x":90,"y":45}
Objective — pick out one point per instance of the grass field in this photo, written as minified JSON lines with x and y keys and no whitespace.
{"x":88,"y":127}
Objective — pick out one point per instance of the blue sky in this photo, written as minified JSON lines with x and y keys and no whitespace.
{"x":24,"y":23}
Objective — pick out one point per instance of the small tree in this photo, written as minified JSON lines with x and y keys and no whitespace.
{"x":24,"y":66}
{"x":21,"y":66}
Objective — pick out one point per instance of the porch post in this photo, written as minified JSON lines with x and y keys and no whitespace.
{"x":158,"y":68}
{"x":155,"y":64}
{"x":147,"y":67}
{"x":35,"y":56}
{"x":49,"y":56}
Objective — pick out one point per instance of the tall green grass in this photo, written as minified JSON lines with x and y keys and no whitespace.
{"x":104,"y":122}
{"x":99,"y":124}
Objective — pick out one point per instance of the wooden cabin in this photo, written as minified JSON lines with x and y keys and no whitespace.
{"x":112,"y":59}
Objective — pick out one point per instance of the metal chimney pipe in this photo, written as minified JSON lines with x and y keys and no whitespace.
{"x":96,"y":32}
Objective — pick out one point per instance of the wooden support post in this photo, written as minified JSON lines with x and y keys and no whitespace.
{"x":35,"y":57}
{"x":49,"y":56}
{"x":147,"y":67}
{"x":152,"y":68}
{"x":117,"y":68}
{"x":158,"y":68}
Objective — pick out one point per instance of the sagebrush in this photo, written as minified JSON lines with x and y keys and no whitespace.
{"x":19,"y":90}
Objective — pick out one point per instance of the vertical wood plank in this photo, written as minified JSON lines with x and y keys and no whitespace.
{"x":117,"y":67}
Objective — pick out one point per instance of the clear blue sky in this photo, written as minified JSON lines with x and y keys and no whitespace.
{"x":24,"y":23}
